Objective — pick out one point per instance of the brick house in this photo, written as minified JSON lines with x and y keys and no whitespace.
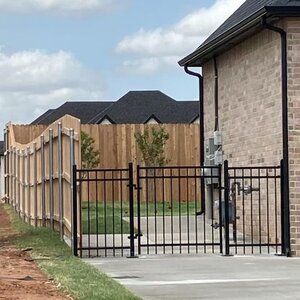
{"x":250,"y":91}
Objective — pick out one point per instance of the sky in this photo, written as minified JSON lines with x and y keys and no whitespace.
{"x":53,"y":51}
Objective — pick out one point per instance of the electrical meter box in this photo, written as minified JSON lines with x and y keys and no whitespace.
{"x":210,"y":150}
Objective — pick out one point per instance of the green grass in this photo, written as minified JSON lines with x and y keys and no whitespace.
{"x":108,"y":220}
{"x":111,"y":218}
{"x":53,"y":256}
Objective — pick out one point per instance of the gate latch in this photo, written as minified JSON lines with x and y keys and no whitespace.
{"x":136,"y":235}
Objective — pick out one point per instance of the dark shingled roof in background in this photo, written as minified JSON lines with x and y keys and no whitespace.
{"x":247,"y":10}
{"x":135,"y":107}
{"x":39,"y":120}
{"x":82,"y":110}
{"x":1,"y":148}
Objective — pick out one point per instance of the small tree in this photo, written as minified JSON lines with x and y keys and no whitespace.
{"x":151,"y":145}
{"x":90,"y":158}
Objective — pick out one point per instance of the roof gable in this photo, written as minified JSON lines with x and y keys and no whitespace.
{"x":152,"y":117}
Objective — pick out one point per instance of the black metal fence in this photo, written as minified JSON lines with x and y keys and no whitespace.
{"x":186,"y":209}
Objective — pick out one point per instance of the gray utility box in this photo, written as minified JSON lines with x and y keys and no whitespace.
{"x":210,"y":149}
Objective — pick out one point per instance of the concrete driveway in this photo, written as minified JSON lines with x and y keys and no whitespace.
{"x":206,"y":276}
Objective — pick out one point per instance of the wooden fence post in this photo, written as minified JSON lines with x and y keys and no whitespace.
{"x":28,"y":186}
{"x":43,"y":180}
{"x":35,"y":184}
{"x":60,"y":181}
{"x":23,"y":184}
{"x":51,"y":200}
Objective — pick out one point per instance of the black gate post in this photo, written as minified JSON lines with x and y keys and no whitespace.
{"x":131,"y":210}
{"x":220,"y":208}
{"x":282,"y":209}
{"x":74,"y":183}
{"x":139,"y":208}
{"x":285,"y":222}
{"x":226,"y":207}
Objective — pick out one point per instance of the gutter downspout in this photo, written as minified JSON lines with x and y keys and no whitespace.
{"x":286,"y":247}
{"x":201,"y":116}
{"x":216,"y":94}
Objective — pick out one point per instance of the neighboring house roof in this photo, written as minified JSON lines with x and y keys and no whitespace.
{"x":135,"y":107}
{"x":43,"y":116}
{"x":1,"y":148}
{"x":242,"y":23}
{"x":84,"y":110}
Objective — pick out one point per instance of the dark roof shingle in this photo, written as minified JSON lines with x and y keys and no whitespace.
{"x":242,"y":15}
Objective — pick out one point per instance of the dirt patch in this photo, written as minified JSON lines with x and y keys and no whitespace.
{"x":20,"y":278}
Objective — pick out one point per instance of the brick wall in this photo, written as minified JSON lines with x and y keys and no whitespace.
{"x":249,"y":100}
{"x":293,"y":30}
{"x":250,"y":119}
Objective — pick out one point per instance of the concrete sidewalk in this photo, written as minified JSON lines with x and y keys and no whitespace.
{"x":206,"y":276}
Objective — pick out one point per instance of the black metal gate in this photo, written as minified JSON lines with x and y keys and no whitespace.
{"x":253,"y":219}
{"x":186,"y":209}
{"x":104,"y":207}
{"x":170,"y":213}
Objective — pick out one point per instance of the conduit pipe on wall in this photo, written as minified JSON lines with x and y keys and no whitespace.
{"x":216,"y":94}
{"x":201,"y":117}
{"x":285,"y":150}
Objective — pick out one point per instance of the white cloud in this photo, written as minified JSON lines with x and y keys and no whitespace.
{"x":178,"y":40}
{"x":148,"y":65}
{"x":34,"y":81}
{"x":58,"y":6}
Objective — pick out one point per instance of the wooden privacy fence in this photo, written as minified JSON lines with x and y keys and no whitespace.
{"x":38,"y":172}
{"x":117,"y":146}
